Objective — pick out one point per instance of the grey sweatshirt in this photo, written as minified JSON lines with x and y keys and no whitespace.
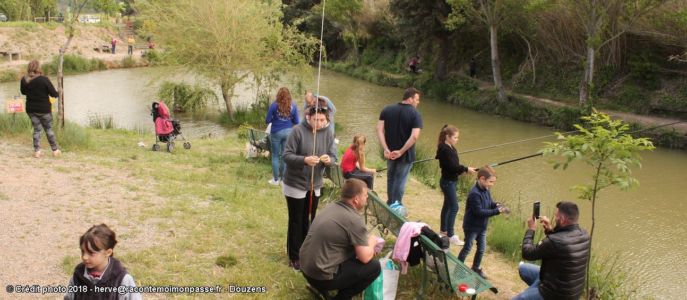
{"x":299,"y":144}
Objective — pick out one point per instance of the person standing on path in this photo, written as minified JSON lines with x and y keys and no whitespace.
{"x":113,"y":43}
{"x":479,"y":208}
{"x":398,"y":129}
{"x":131,"y":41}
{"x":450,"y":170}
{"x":38,"y":90}
{"x":303,"y":165}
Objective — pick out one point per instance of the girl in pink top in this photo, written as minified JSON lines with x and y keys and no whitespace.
{"x":353,"y":162}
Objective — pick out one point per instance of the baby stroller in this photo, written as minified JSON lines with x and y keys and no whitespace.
{"x":166,"y":128}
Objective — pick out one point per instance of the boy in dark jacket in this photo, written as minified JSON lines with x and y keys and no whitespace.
{"x":478,"y":209}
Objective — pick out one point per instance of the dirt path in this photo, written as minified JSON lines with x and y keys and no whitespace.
{"x":47,"y":203}
{"x":644,"y":120}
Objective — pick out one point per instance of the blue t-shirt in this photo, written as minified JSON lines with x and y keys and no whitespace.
{"x":280,"y":122}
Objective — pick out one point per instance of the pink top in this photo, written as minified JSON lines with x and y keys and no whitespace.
{"x":163,"y":125}
{"x":348,"y":161}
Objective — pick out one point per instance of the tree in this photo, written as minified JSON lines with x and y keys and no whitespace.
{"x":28,"y":9}
{"x":422,"y":26}
{"x":492,"y":13}
{"x":108,"y":7}
{"x":345,"y":14}
{"x":226,"y":41}
{"x":603,"y":22}
{"x":609,"y":149}
{"x":71,"y":19}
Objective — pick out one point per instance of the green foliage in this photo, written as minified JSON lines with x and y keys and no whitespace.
{"x":74,"y":64}
{"x":13,"y":124}
{"x":128,"y":62}
{"x":28,"y":9}
{"x":226,"y":261}
{"x":426,"y":172}
{"x":632,"y":98}
{"x":101,"y":121}
{"x":609,"y":281}
{"x":73,"y":137}
{"x":153,"y":57}
{"x":644,"y":71}
{"x":253,"y":115}
{"x":186,"y":97}
{"x":607,"y":147}
{"x":9,"y":75}
{"x":228,"y":41}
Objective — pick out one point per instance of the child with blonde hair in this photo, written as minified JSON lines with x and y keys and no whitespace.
{"x":353,"y":162}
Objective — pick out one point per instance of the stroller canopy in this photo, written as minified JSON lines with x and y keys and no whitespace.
{"x":163,"y":124}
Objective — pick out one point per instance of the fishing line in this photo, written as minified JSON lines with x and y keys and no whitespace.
{"x":317,"y":102}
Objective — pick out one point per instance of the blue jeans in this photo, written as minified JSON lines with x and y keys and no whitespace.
{"x":277,"y":142}
{"x":397,"y":176}
{"x":450,"y":208}
{"x":470,"y":236}
{"x":530,"y":275}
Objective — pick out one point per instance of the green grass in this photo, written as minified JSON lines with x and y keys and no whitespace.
{"x":18,"y":126}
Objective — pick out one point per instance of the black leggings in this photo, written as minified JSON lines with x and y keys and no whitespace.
{"x":299,"y":222}
{"x":368,"y":178}
{"x":351,"y":279}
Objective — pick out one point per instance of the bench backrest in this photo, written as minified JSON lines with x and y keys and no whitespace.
{"x":259,"y":139}
{"x":384,"y":215}
{"x":334,"y":173}
{"x":451,"y":271}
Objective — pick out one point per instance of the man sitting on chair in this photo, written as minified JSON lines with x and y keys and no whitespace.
{"x":338,"y":252}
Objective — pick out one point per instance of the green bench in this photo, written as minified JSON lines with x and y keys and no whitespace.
{"x":259,"y":139}
{"x":450,"y":272}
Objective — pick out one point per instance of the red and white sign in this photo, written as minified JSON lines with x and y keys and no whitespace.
{"x":14,"y":106}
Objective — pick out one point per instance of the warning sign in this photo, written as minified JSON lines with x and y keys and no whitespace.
{"x":14,"y":106}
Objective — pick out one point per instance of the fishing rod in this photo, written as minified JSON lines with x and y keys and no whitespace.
{"x":540,"y":154}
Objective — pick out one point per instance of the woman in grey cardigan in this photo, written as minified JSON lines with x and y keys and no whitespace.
{"x":301,"y":161}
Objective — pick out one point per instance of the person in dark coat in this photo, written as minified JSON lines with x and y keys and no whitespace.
{"x":479,"y":208}
{"x":473,"y":68}
{"x":38,"y":90}
{"x":564,"y":254}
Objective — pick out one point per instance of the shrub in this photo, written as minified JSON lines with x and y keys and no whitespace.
{"x":186,"y":97}
{"x":74,"y":64}
{"x":8,"y":75}
{"x":128,"y":62}
{"x":13,"y":124}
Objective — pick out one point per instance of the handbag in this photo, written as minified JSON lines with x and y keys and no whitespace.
{"x":386,"y":284}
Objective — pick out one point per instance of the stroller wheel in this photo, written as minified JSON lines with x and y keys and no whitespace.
{"x":156,"y":147}
{"x":187,"y":145}
{"x":170,"y":146}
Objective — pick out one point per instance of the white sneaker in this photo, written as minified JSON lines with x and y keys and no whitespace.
{"x":273,"y":182}
{"x":456,"y":241}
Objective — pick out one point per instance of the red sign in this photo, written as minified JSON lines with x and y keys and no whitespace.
{"x":14,"y":106}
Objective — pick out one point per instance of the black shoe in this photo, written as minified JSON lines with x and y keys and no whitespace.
{"x":295,"y":264}
{"x":480,"y":273}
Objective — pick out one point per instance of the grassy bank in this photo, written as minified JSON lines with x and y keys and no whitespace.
{"x":75,"y":64}
{"x":465,"y":92}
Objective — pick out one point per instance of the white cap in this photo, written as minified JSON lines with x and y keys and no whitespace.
{"x":470,"y":291}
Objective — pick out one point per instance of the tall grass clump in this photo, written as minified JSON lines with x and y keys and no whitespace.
{"x":186,"y":97}
{"x":101,"y":121}
{"x":253,"y":115}
{"x":426,"y":172}
{"x":14,"y":124}
{"x":609,"y":281}
{"x":74,"y":64}
{"x":73,"y":136}
{"x":128,"y":62}
{"x":9,"y":75}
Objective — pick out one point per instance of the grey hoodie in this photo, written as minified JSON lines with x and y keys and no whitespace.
{"x":299,"y":144}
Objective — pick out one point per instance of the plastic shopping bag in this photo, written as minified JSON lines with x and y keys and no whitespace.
{"x":386,"y":284}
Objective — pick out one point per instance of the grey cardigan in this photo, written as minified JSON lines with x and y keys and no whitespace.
{"x":299,"y":144}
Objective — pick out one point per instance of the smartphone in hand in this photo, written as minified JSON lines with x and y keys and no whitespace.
{"x":535,"y":210}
